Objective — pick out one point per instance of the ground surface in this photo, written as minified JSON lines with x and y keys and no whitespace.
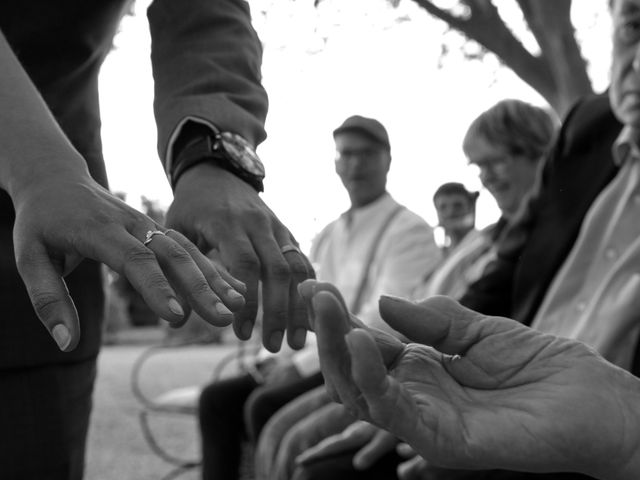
{"x":117,"y":449}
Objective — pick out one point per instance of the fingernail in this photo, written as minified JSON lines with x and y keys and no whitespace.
{"x":349,"y":338}
{"x":275,"y":340}
{"x":246,"y":329}
{"x":232,"y":294}
{"x":61,"y":335}
{"x":222,"y":309}
{"x":455,"y":358}
{"x":175,"y":307}
{"x":299,"y":336}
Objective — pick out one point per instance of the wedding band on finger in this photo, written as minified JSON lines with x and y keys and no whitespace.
{"x":150,"y":234}
{"x":289,"y":248}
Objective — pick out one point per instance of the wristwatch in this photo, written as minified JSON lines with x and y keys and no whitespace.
{"x":226,"y":149}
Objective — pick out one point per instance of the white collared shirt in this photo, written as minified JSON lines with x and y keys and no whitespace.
{"x":406,"y":253}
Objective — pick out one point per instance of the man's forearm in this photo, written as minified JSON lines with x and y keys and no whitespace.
{"x":206,"y":64}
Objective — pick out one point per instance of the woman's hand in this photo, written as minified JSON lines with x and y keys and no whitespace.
{"x":69,"y":217}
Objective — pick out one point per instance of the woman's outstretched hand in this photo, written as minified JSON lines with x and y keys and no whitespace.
{"x":69,"y":217}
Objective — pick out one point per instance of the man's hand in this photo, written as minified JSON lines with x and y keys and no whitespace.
{"x":216,"y":209}
{"x":69,"y":217}
{"x":480,"y":392}
{"x":372,"y":442}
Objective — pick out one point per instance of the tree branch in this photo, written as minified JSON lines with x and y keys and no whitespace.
{"x":486,"y":27}
{"x":550,"y":23}
{"x":438,"y":12}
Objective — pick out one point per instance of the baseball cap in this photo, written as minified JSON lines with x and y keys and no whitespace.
{"x":369,"y":126}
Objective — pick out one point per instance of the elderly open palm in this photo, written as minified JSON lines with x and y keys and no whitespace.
{"x":479,"y":392}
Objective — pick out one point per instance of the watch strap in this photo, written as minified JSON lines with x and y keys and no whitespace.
{"x":208,"y":148}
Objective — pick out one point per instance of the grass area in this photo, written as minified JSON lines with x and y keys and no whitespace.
{"x":116,"y":447}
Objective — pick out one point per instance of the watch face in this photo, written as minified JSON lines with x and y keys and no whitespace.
{"x":242,"y":152}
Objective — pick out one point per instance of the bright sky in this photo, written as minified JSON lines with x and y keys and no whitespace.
{"x":320,"y":66}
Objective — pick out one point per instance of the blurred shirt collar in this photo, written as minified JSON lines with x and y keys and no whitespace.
{"x":626,"y":145}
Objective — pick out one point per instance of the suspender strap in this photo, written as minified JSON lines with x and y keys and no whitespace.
{"x":356,"y":304}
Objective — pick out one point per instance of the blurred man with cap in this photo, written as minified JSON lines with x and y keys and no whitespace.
{"x":376,"y":247}
{"x":363,"y":157}
{"x":456,"y":210}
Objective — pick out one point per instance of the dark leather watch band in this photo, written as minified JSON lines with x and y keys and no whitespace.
{"x":208,"y":148}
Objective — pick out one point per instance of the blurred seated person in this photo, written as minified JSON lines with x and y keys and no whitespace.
{"x":456,"y":210}
{"x":507,"y":144}
{"x":377,"y":246}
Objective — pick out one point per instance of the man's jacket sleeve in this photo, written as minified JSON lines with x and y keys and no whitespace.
{"x":206,"y":60}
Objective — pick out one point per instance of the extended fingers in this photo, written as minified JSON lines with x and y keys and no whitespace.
{"x":300,"y":269}
{"x":244,"y":264}
{"x":331,"y":326}
{"x":368,"y":369}
{"x":222,"y":282}
{"x":283,"y":268}
{"x":388,"y":345}
{"x":439,"y":321}
{"x":309,"y":288}
{"x":141,"y":268}
{"x":50,"y":297}
{"x":165,"y":274}
{"x":388,"y":402}
{"x":214,"y":257}
{"x":275,"y":293}
{"x":198,"y":284}
{"x":375,"y":395}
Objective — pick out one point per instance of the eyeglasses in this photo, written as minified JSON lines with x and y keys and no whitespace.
{"x":348,"y":154}
{"x":494,"y":164}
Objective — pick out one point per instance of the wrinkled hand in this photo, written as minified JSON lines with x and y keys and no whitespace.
{"x":60,"y":221}
{"x":215,"y":209}
{"x":480,"y":392}
{"x":371,"y":441}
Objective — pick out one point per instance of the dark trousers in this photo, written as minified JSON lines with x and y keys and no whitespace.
{"x":44,"y":421}
{"x":222,"y":418}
